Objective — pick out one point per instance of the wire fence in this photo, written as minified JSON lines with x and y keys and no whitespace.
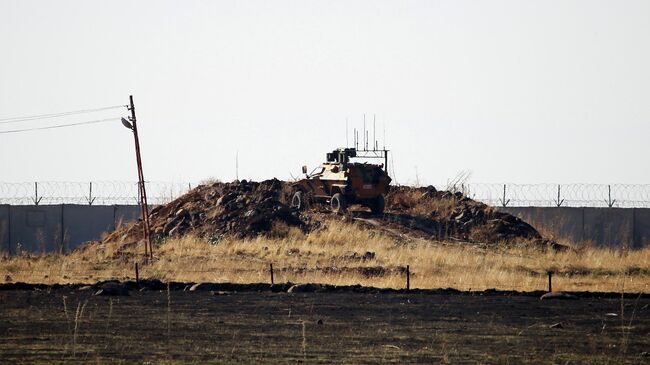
{"x":396,"y":277}
{"x":561,"y":195}
{"x":89,"y":193}
{"x":508,"y":195}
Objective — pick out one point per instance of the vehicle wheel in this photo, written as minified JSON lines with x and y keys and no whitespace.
{"x":378,"y":205}
{"x":298,"y":200}
{"x":339,"y":204}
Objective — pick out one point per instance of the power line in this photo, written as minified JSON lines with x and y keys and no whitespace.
{"x":57,"y":115}
{"x":61,"y":125}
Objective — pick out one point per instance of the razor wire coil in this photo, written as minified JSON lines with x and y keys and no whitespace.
{"x":508,"y":194}
{"x":90,"y":193}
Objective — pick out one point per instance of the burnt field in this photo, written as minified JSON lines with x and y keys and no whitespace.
{"x":68,"y":325}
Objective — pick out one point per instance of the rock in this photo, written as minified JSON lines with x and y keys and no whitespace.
{"x":85,"y":287}
{"x":304,"y":288}
{"x":556,"y":325}
{"x":557,"y":295}
{"x":220,"y":292}
{"x":195,"y":287}
{"x":181,"y":212}
{"x":645,"y":354}
{"x":112,"y":289}
{"x":319,"y":322}
{"x":173,"y":231}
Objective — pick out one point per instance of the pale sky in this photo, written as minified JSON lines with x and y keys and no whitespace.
{"x":513,"y":91}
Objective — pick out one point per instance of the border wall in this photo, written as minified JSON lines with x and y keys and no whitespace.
{"x":58,"y":228}
{"x":62,"y":228}
{"x":602,"y":227}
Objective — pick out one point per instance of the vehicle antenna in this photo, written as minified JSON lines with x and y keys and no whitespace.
{"x":374,"y":132}
{"x":367,"y":138}
{"x":347,"y":143}
{"x":365,"y":144}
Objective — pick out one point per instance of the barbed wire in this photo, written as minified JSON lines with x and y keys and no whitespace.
{"x":95,"y":193}
{"x":561,"y":195}
{"x":509,"y":195}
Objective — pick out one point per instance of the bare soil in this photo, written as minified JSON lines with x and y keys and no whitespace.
{"x":252,"y":324}
{"x":249,"y":209}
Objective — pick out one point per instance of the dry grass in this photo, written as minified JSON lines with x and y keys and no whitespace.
{"x":344,"y":254}
{"x":414,"y":204}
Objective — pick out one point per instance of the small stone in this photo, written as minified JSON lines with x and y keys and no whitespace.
{"x":219,"y":292}
{"x":303,"y":288}
{"x":112,"y":289}
{"x":181,"y":212}
{"x":645,"y":354}
{"x":319,"y":322}
{"x":557,"y":295}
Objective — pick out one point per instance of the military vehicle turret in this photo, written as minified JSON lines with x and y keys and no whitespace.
{"x":340,"y":183}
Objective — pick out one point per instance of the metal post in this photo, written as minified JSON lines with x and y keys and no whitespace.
{"x":559,"y":201}
{"x":504,"y":202}
{"x":90,"y":194}
{"x":271,"y":267}
{"x":550,"y":284}
{"x":144,"y":207}
{"x":137,"y":274}
{"x":36,"y":198}
{"x":609,"y":201}
{"x":408,"y":277}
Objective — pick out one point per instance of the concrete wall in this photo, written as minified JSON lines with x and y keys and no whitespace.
{"x":61,"y":228}
{"x":604,"y":227}
{"x":58,"y":228}
{"x":4,"y":228}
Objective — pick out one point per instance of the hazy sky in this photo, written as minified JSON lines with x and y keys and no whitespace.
{"x":513,"y":91}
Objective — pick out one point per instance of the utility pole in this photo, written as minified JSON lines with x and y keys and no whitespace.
{"x":142,"y":193}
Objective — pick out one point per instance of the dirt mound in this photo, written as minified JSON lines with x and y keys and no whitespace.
{"x":449,"y":214}
{"x":248,"y":209}
{"x":239,"y":209}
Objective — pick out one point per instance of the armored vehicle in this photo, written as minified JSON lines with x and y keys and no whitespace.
{"x":340,"y":182}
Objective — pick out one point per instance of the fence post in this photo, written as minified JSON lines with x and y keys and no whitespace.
{"x":36,"y":198}
{"x":550,"y":281}
{"x":408,"y":278}
{"x":271,"y":269}
{"x":504,"y":202}
{"x":90,"y":193}
{"x":559,"y":201}
{"x":137,"y":274}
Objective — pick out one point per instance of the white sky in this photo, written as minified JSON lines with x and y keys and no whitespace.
{"x":516,"y":91}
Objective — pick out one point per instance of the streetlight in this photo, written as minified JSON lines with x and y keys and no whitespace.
{"x":142,"y":193}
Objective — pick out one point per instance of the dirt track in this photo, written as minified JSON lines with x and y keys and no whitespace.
{"x":357,"y":327}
